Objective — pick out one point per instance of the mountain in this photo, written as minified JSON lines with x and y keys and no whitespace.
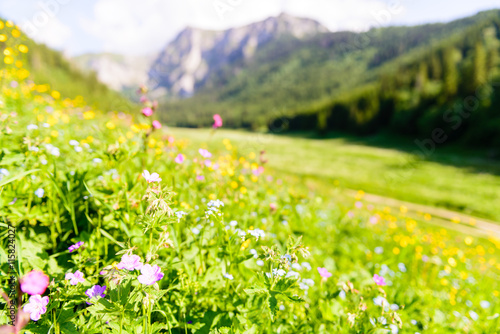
{"x":399,"y":79}
{"x":119,"y":72}
{"x":185,"y":64}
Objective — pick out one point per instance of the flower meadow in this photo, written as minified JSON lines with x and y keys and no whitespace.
{"x":122,"y":228}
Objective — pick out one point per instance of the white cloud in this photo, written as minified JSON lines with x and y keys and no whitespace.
{"x":143,"y":27}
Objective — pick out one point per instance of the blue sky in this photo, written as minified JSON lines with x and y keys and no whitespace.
{"x":144,"y":27}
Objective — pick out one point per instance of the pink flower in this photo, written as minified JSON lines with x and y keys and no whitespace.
{"x":144,"y":99}
{"x":171,"y":139}
{"x":36,"y":306}
{"x":156,"y":124}
{"x":379,"y":280}
{"x":179,"y":158}
{"x":147,"y":111}
{"x":95,"y":291}
{"x":130,"y":262}
{"x":324,"y":273}
{"x":273,"y":206}
{"x":155,"y":177}
{"x":75,"y":278}
{"x":150,"y":274}
{"x":34,"y":283}
{"x":200,"y":177}
{"x":208,"y":163}
{"x":217,"y":121}
{"x":204,"y":153}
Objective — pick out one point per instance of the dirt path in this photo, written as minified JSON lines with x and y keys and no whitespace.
{"x":440,"y":217}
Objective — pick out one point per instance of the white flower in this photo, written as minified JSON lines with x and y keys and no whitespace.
{"x":296,"y":266}
{"x":195,"y":230}
{"x":43,"y":162}
{"x":39,"y":192}
{"x":379,"y":250}
{"x":257,"y":233}
{"x":34,"y":149}
{"x":233,"y":223}
{"x":180,"y":214}
{"x":215,"y":203}
{"x":474,"y":316}
{"x":78,"y":149}
{"x":306,"y":265}
{"x":260,"y":263}
{"x":282,"y":307}
{"x":293,"y":274}
{"x":484,"y":303}
{"x":46,"y":125}
{"x":74,"y":142}
{"x":279,"y":272}
{"x":32,"y":127}
{"x":3,"y":172}
{"x":228,"y":276}
{"x":97,"y":160}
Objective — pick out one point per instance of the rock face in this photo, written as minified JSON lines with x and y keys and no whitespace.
{"x":185,"y":64}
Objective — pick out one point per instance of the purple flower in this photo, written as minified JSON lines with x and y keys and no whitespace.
{"x":200,"y":177}
{"x":96,"y":291}
{"x":74,"y":247}
{"x":130,"y":262}
{"x":36,"y":306}
{"x":324,"y":273}
{"x":150,"y":274}
{"x":379,"y":280}
{"x":75,"y":278}
{"x":205,"y":153}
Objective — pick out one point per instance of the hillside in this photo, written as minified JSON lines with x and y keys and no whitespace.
{"x":50,"y":68}
{"x":294,"y":76}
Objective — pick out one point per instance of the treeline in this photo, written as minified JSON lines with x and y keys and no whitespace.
{"x":454,"y":86}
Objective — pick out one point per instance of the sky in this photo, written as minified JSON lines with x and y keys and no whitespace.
{"x":144,"y":27}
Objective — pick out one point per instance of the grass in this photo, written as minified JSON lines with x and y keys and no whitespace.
{"x":455,"y":179}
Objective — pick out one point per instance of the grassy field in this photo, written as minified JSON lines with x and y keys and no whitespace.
{"x":459,"y":180}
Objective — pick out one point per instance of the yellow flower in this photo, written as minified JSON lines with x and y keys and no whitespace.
{"x":54,"y":133}
{"x":55,"y":94}
{"x":110,"y":125}
{"x":130,"y":135}
{"x":245,"y":244}
{"x":455,"y":220}
{"x":19,"y":64}
{"x":468,"y":241}
{"x":444,"y":281}
{"x":360,"y":194}
{"x":22,"y":48}
{"x":212,"y":196}
{"x":396,"y":251}
{"x":40,"y":117}
{"x":8,"y":60}
{"x":241,"y":178}
{"x":243,"y":190}
{"x":16,"y":33}
{"x":3,"y":38}
{"x":65,"y":118}
{"x":88,"y":114}
{"x":90,"y":139}
{"x":427,"y":216}
{"x":403,"y":209}
{"x":151,"y":142}
{"x":251,"y":156}
{"x":9,"y":24}
{"x":122,"y":139}
{"x":136,"y":128}
{"x":234,"y":184}
{"x":452,"y":262}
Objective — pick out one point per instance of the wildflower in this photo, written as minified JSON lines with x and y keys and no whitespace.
{"x":179,"y":158}
{"x":74,"y":142}
{"x":180,"y":214}
{"x":279,"y":272}
{"x":74,"y":247}
{"x":273,"y":206}
{"x":36,"y":307}
{"x":379,"y":280}
{"x":380,"y":301}
{"x":215,"y":203}
{"x":3,"y":172}
{"x":150,"y":274}
{"x":75,"y":278}
{"x":32,"y":127}
{"x":147,"y":111}
{"x":34,"y":283}
{"x":260,"y":263}
{"x":293,"y":274}
{"x":151,"y":177}
{"x":257,"y":233}
{"x":39,"y":192}
{"x":217,"y":121}
{"x":228,"y":276}
{"x":324,"y":273}
{"x":474,"y":316}
{"x":130,"y":262}
{"x":156,"y":124}
{"x":78,"y":149}
{"x":97,"y":160}
{"x":204,"y":153}
{"x":95,"y":291}
{"x":306,"y":265}
{"x":200,"y":177}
